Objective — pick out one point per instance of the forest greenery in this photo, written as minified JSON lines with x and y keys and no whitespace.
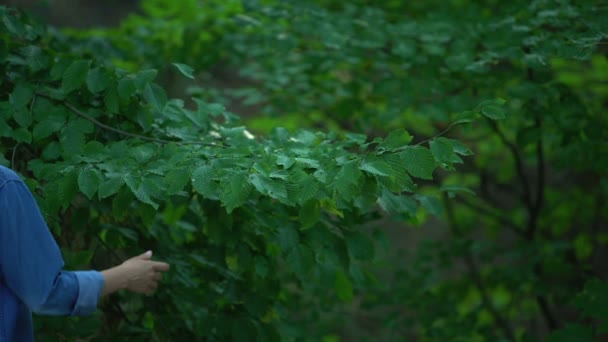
{"x":489,"y":116}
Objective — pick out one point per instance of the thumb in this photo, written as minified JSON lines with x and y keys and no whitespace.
{"x":145,"y":256}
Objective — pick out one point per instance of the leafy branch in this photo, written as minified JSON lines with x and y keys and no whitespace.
{"x":121,"y":132}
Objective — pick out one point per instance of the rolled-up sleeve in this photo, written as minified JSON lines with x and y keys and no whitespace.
{"x":31,"y":263}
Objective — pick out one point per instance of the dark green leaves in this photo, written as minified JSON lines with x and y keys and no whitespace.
{"x":75,"y":75}
{"x":98,"y":80}
{"x":344,"y":287}
{"x":360,"y":247}
{"x":156,"y":96}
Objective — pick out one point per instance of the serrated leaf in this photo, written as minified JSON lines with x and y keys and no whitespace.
{"x":98,"y":80}
{"x":431,"y":203}
{"x":377,"y":167}
{"x":75,"y":75}
{"x":310,"y":213}
{"x":443,"y":151}
{"x":142,"y":190}
{"x":110,"y":186}
{"x":144,"y":77}
{"x":419,"y":162}
{"x":343,"y":287}
{"x":203,"y":183}
{"x":235,"y":190}
{"x":156,"y":96}
{"x":269,"y":187}
{"x":110,"y":100}
{"x":398,"y":204}
{"x":73,"y":135}
{"x":185,"y":70}
{"x":347,"y":179}
{"x":126,"y":88}
{"x":89,"y":181}
{"x":459,"y":147}
{"x":68,"y":188}
{"x":177,"y":180}
{"x":48,"y":126}
{"x":493,"y":112}
{"x":395,"y":140}
{"x":494,"y":109}
{"x":360,"y":247}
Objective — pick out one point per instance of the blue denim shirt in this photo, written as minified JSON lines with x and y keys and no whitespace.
{"x":31,"y":275}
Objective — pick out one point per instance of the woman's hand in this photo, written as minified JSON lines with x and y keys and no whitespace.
{"x":139,"y":274}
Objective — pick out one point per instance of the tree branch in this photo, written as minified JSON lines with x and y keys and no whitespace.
{"x":501,"y":219}
{"x":519,"y":166}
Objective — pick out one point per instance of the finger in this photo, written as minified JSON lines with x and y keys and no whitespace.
{"x":160,"y":266}
{"x":145,"y":256}
{"x":157,"y":276}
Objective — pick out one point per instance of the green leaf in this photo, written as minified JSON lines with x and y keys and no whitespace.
{"x":98,"y":80}
{"x":48,"y":126}
{"x":21,"y":96}
{"x":443,"y":151}
{"x":126,"y":88}
{"x":431,"y":203}
{"x":75,"y":75}
{"x":269,"y":187}
{"x":177,"y":180}
{"x":456,"y":188}
{"x":110,"y":100}
{"x":343,"y":287}
{"x":493,"y":109}
{"x":89,"y":181}
{"x":377,"y":167}
{"x":185,"y":70}
{"x":110,"y":186}
{"x":236,"y":192}
{"x":203,"y":183}
{"x":393,"y":203}
{"x":419,"y":162}
{"x":310,"y":213}
{"x":395,"y":140}
{"x":144,"y":78}
{"x":156,"y":96}
{"x":360,"y":247}
{"x":142,"y":189}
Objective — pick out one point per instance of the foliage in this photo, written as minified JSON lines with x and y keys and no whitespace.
{"x":261,"y":228}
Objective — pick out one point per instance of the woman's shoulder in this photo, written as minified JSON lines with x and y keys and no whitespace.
{"x":6,"y":175}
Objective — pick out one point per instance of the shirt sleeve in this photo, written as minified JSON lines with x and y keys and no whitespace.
{"x":31,"y":263}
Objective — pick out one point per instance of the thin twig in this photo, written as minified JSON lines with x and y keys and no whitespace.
{"x":13,"y":155}
{"x":125,"y":133}
{"x":519,"y":167}
{"x":501,"y":219}
{"x":436,"y":135}
{"x":540,"y":183}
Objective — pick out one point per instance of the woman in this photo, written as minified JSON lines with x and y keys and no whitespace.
{"x":31,"y":275}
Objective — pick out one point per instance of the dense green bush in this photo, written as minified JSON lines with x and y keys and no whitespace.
{"x":275,"y":235}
